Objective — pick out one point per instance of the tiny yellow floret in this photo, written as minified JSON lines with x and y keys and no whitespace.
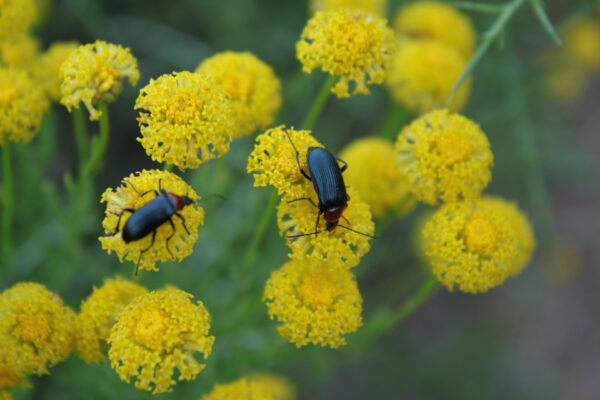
{"x":254,"y":89}
{"x":373,"y":7}
{"x":446,"y":157}
{"x":423,"y":73}
{"x":157,"y":333}
{"x":22,"y":106}
{"x":46,"y":70}
{"x":242,"y":389}
{"x":36,"y":329}
{"x":169,"y":244}
{"x":94,"y":74}
{"x":185,"y":119}
{"x":351,"y":44}
{"x":439,"y":21}
{"x":99,"y":313}
{"x":375,"y":174}
{"x":16,"y":17}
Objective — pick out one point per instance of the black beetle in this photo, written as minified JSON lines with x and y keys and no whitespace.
{"x":329,"y":186}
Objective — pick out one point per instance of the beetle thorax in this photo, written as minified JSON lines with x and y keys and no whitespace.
{"x":177,"y":201}
{"x":333,"y":214}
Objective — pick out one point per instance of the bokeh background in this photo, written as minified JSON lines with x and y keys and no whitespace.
{"x":537,"y":336}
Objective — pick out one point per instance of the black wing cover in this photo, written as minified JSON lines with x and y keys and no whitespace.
{"x":326,"y":178}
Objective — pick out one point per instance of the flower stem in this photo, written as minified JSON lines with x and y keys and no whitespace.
{"x":99,"y":145}
{"x":392,"y":213}
{"x":81,"y":136}
{"x":319,"y":103}
{"x":7,"y":199}
{"x":252,"y":250}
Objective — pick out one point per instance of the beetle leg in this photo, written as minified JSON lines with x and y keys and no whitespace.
{"x":305,"y":198}
{"x":183,"y":220}
{"x":317,"y":224}
{"x":170,"y":236}
{"x":143,"y":251}
{"x":343,"y":166}
{"x":297,"y":156}
{"x":345,"y":219}
{"x":117,"y":230}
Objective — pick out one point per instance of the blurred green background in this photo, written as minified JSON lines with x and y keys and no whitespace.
{"x":535,"y":337}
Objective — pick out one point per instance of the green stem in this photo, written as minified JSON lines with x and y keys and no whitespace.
{"x":167,"y":167}
{"x":541,"y":15}
{"x":252,"y":250}
{"x":479,"y":7}
{"x":392,"y":213}
{"x":7,"y":197}
{"x":397,"y":116}
{"x":319,"y":103}
{"x":99,"y":145}
{"x":81,"y":136}
{"x":487,"y":39}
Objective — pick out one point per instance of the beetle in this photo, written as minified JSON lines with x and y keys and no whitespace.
{"x":148,"y":218}
{"x":328,"y":182}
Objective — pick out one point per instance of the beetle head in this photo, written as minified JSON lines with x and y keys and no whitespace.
{"x":186,"y":200}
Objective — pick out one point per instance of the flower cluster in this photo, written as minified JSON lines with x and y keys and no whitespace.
{"x":46,"y":70}
{"x":347,"y":43}
{"x":373,"y":7}
{"x":21,"y":52}
{"x":16,"y":17}
{"x":242,"y":389}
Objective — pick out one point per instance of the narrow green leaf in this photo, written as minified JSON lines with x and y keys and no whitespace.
{"x":540,"y":13}
{"x":479,"y":7}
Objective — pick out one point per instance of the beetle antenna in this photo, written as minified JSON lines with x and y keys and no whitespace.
{"x":360,"y":233}
{"x":303,"y":234}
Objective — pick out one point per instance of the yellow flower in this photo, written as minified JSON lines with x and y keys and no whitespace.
{"x":349,"y":43}
{"x":21,"y":52}
{"x":446,"y":156}
{"x":172,"y":241}
{"x":316,"y":302}
{"x":22,"y":106}
{"x":36,"y":329}
{"x":184,"y":114}
{"x":156,"y":333}
{"x":47,"y":67}
{"x":273,"y":160}
{"x":16,"y":16}
{"x":439,"y":21}
{"x":375,"y":174}
{"x":94,"y":74}
{"x":254,"y":89}
{"x":338,"y":246}
{"x":242,"y":389}
{"x":423,"y":73}
{"x":99,"y":313}
{"x":373,"y":7}
{"x":8,"y":380}
{"x":472,"y":245}
{"x":280,"y":387}
{"x":521,"y":227}
{"x":565,"y":83}
{"x":582,"y":44}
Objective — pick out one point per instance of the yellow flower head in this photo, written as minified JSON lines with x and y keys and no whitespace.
{"x":273,"y":160}
{"x":185,"y":119}
{"x":471,"y":244}
{"x":446,"y":156}
{"x":373,"y":7}
{"x":520,"y":225}
{"x":280,"y":387}
{"x":173,"y":241}
{"x":582,"y":44}
{"x":99,"y":313}
{"x":47,"y":68}
{"x":94,"y":74}
{"x":254,"y":89}
{"x":338,"y":246}
{"x":16,"y":16}
{"x":439,"y":21}
{"x":22,"y":106}
{"x":565,"y":83}
{"x":21,"y":52}
{"x":316,"y":302}
{"x":423,"y":73}
{"x":156,"y":333}
{"x":242,"y":389}
{"x":349,"y":43}
{"x":36,"y":329}
{"x":375,"y":174}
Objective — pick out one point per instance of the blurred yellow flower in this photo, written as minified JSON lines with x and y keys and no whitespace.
{"x":22,"y":106}
{"x":99,"y":313}
{"x":16,"y":17}
{"x":471,"y":245}
{"x":273,"y":160}
{"x":254,"y":89}
{"x":373,"y":7}
{"x":338,"y":246}
{"x":8,"y":380}
{"x":170,"y":243}
{"x":316,"y":302}
{"x":21,"y":52}
{"x":375,"y":174}
{"x":439,"y":21}
{"x":47,"y":68}
{"x":564,"y":82}
{"x":582,"y":44}
{"x":242,"y":389}
{"x":279,"y":386}
{"x":446,"y":156}
{"x":350,"y":44}
{"x":423,"y":73}
{"x":94,"y":74}
{"x":36,"y":329}
{"x":156,"y":333}
{"x":185,"y":119}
